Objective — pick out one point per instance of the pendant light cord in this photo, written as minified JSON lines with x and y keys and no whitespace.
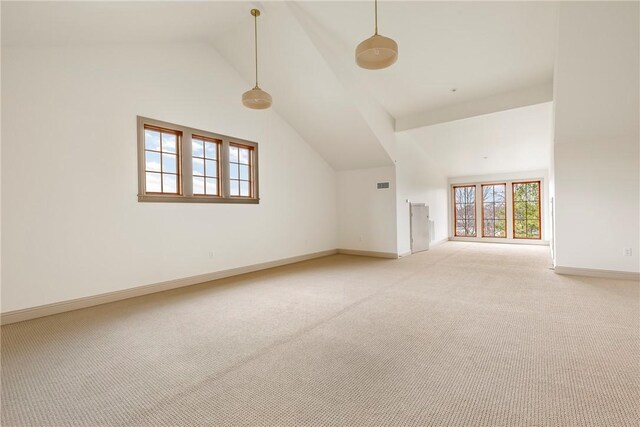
{"x":376,"y":8}
{"x":255,"y":39}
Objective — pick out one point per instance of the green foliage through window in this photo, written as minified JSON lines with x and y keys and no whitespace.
{"x":526,"y":210}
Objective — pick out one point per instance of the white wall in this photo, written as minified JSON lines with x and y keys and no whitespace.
{"x":366,"y":215}
{"x":597,"y":138}
{"x":509,"y":179}
{"x":420,"y":181}
{"x":72,"y":226}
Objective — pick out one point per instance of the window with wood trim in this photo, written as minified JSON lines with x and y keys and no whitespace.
{"x":526,"y":210}
{"x":181,"y":164}
{"x":240,"y":174}
{"x":162,"y":160}
{"x":205,"y":168}
{"x":494,"y":210}
{"x":465,"y":210}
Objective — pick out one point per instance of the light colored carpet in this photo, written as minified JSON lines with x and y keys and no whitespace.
{"x":464,"y":335}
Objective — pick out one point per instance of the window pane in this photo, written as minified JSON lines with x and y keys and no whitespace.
{"x":169,"y":163}
{"x":168,"y":142}
{"x":471,"y":228}
{"x":532,"y":192}
{"x":234,"y":188}
{"x":488,"y":211}
{"x":520,"y":229}
{"x":198,"y":167}
{"x":196,"y":148}
{"x":487,"y":194}
{"x":498,"y":195}
{"x":212,"y":186}
{"x":211,"y":150}
{"x":500,"y":211}
{"x":244,"y":172}
{"x":533,"y":231}
{"x":519,"y":192}
{"x":211,"y":168}
{"x":233,"y":171}
{"x":501,"y":230}
{"x":169,"y":183}
{"x":151,"y":140}
{"x":520,"y":210}
{"x":198,"y":185}
{"x":152,"y":161}
{"x":233,"y":154}
{"x":470,"y":211}
{"x":244,"y":188}
{"x":532,"y":211}
{"x":489,"y":229}
{"x":153,"y":183}
{"x":244,"y":156}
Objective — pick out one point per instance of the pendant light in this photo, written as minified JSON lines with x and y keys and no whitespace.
{"x":256,"y":98}
{"x":377,"y":51}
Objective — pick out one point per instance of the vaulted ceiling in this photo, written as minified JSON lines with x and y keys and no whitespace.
{"x":497,"y":55}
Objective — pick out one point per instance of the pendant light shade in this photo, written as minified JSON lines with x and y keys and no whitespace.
{"x":377,"y":51}
{"x":256,"y":98}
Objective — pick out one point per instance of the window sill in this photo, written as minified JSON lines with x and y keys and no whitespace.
{"x":195,"y":199}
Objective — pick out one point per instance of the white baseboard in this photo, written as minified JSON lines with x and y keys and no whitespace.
{"x":90,"y":301}
{"x":391,"y":255}
{"x":500,"y":240}
{"x":591,"y":272}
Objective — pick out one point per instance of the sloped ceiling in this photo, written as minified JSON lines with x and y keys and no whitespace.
{"x":348,"y":115}
{"x":305,"y":88}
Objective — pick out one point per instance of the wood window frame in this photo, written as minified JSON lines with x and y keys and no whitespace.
{"x":251,"y":166}
{"x":185,"y":171}
{"x":455,"y":210}
{"x":204,"y":158}
{"x":513,"y":209}
{"x":494,"y":218}
{"x":161,"y":152}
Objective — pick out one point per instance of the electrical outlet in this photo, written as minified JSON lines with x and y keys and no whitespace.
{"x":211,"y":254}
{"x":627,"y":251}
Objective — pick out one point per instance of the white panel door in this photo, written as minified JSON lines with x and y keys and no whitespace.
{"x":420,"y":234}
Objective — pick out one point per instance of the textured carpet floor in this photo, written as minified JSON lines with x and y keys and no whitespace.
{"x":463,"y":335}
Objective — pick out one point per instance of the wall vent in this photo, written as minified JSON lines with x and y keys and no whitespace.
{"x":383,"y":185}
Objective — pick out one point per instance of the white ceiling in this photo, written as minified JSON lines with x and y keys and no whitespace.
{"x":307,"y":64}
{"x":305,"y":89}
{"x":512,"y":141}
{"x":480,"y":48}
{"x":85,"y":23}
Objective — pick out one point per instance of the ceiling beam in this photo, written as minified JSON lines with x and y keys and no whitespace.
{"x":505,"y":101}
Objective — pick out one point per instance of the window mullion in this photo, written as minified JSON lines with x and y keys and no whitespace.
{"x":187,"y":164}
{"x":224,"y":169}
